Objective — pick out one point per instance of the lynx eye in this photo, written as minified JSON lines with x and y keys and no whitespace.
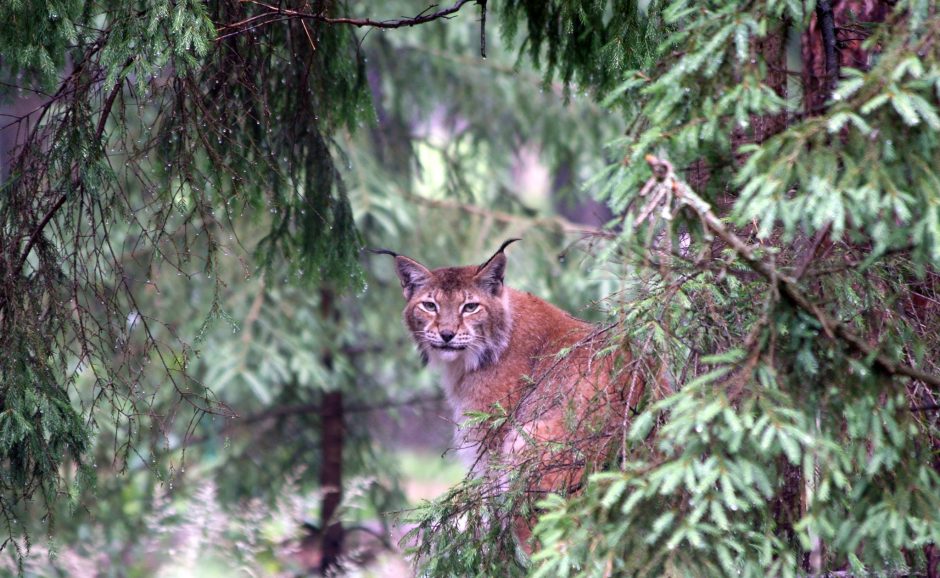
{"x":470,"y":307}
{"x":429,"y":306}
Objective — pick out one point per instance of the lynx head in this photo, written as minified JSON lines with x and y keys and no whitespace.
{"x":457,"y":314}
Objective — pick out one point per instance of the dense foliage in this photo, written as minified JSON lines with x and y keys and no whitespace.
{"x":791,"y":424}
{"x":184,"y":202}
{"x":178,"y":248}
{"x":157,"y":136}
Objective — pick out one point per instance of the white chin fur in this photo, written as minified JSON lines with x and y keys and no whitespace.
{"x":460,"y":360}
{"x":445,"y":355}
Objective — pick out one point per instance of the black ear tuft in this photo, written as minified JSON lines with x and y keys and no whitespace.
{"x":383,"y":252}
{"x":499,"y":251}
{"x":490,"y":274}
{"x":411,"y":273}
{"x":507,"y":243}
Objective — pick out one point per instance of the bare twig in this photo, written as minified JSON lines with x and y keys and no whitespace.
{"x":279,"y":14}
{"x":931,"y":407}
{"x":812,"y":249}
{"x":281,"y":412}
{"x":560,"y":223}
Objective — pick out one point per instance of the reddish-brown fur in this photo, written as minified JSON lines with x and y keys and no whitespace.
{"x":502,"y":355}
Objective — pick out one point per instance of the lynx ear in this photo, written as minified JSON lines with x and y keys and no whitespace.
{"x":490,"y":274}
{"x":411,"y":273}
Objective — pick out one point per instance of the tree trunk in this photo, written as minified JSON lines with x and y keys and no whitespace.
{"x":332,"y":438}
{"x":331,"y":478}
{"x":932,"y":552}
{"x":846,"y":19}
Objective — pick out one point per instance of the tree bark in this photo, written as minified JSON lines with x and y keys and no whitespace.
{"x":833,"y":39}
{"x":332,"y":438}
{"x":932,"y":552}
{"x":774,"y":50}
{"x":331,"y":478}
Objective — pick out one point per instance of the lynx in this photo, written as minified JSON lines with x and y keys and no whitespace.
{"x":509,"y":353}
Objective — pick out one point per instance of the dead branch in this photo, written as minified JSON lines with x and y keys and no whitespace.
{"x":664,"y":176}
{"x":280,"y":14}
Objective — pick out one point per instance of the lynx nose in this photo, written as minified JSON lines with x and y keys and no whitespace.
{"x":447,"y":335}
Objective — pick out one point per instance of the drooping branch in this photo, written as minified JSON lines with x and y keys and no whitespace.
{"x":281,"y":412}
{"x":664,"y":183}
{"x":278,"y":14}
{"x":99,"y":131}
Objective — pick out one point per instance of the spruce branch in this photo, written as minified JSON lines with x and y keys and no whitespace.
{"x":99,"y":132}
{"x":664,"y":177}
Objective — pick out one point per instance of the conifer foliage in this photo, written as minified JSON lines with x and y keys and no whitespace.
{"x":790,"y":306}
{"x":777,"y":197}
{"x":152,"y":133}
{"x":777,"y":223}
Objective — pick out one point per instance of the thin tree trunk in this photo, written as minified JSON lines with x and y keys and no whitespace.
{"x":834,"y":39}
{"x":331,"y":478}
{"x":332,"y":438}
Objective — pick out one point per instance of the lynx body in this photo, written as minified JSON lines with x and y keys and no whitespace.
{"x":506,"y":351}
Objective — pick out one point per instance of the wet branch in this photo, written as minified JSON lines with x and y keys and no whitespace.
{"x":99,"y":131}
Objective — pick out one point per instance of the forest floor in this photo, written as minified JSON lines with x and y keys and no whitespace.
{"x":425,"y":476}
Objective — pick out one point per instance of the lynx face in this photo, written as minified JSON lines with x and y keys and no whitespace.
{"x":457,"y":315}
